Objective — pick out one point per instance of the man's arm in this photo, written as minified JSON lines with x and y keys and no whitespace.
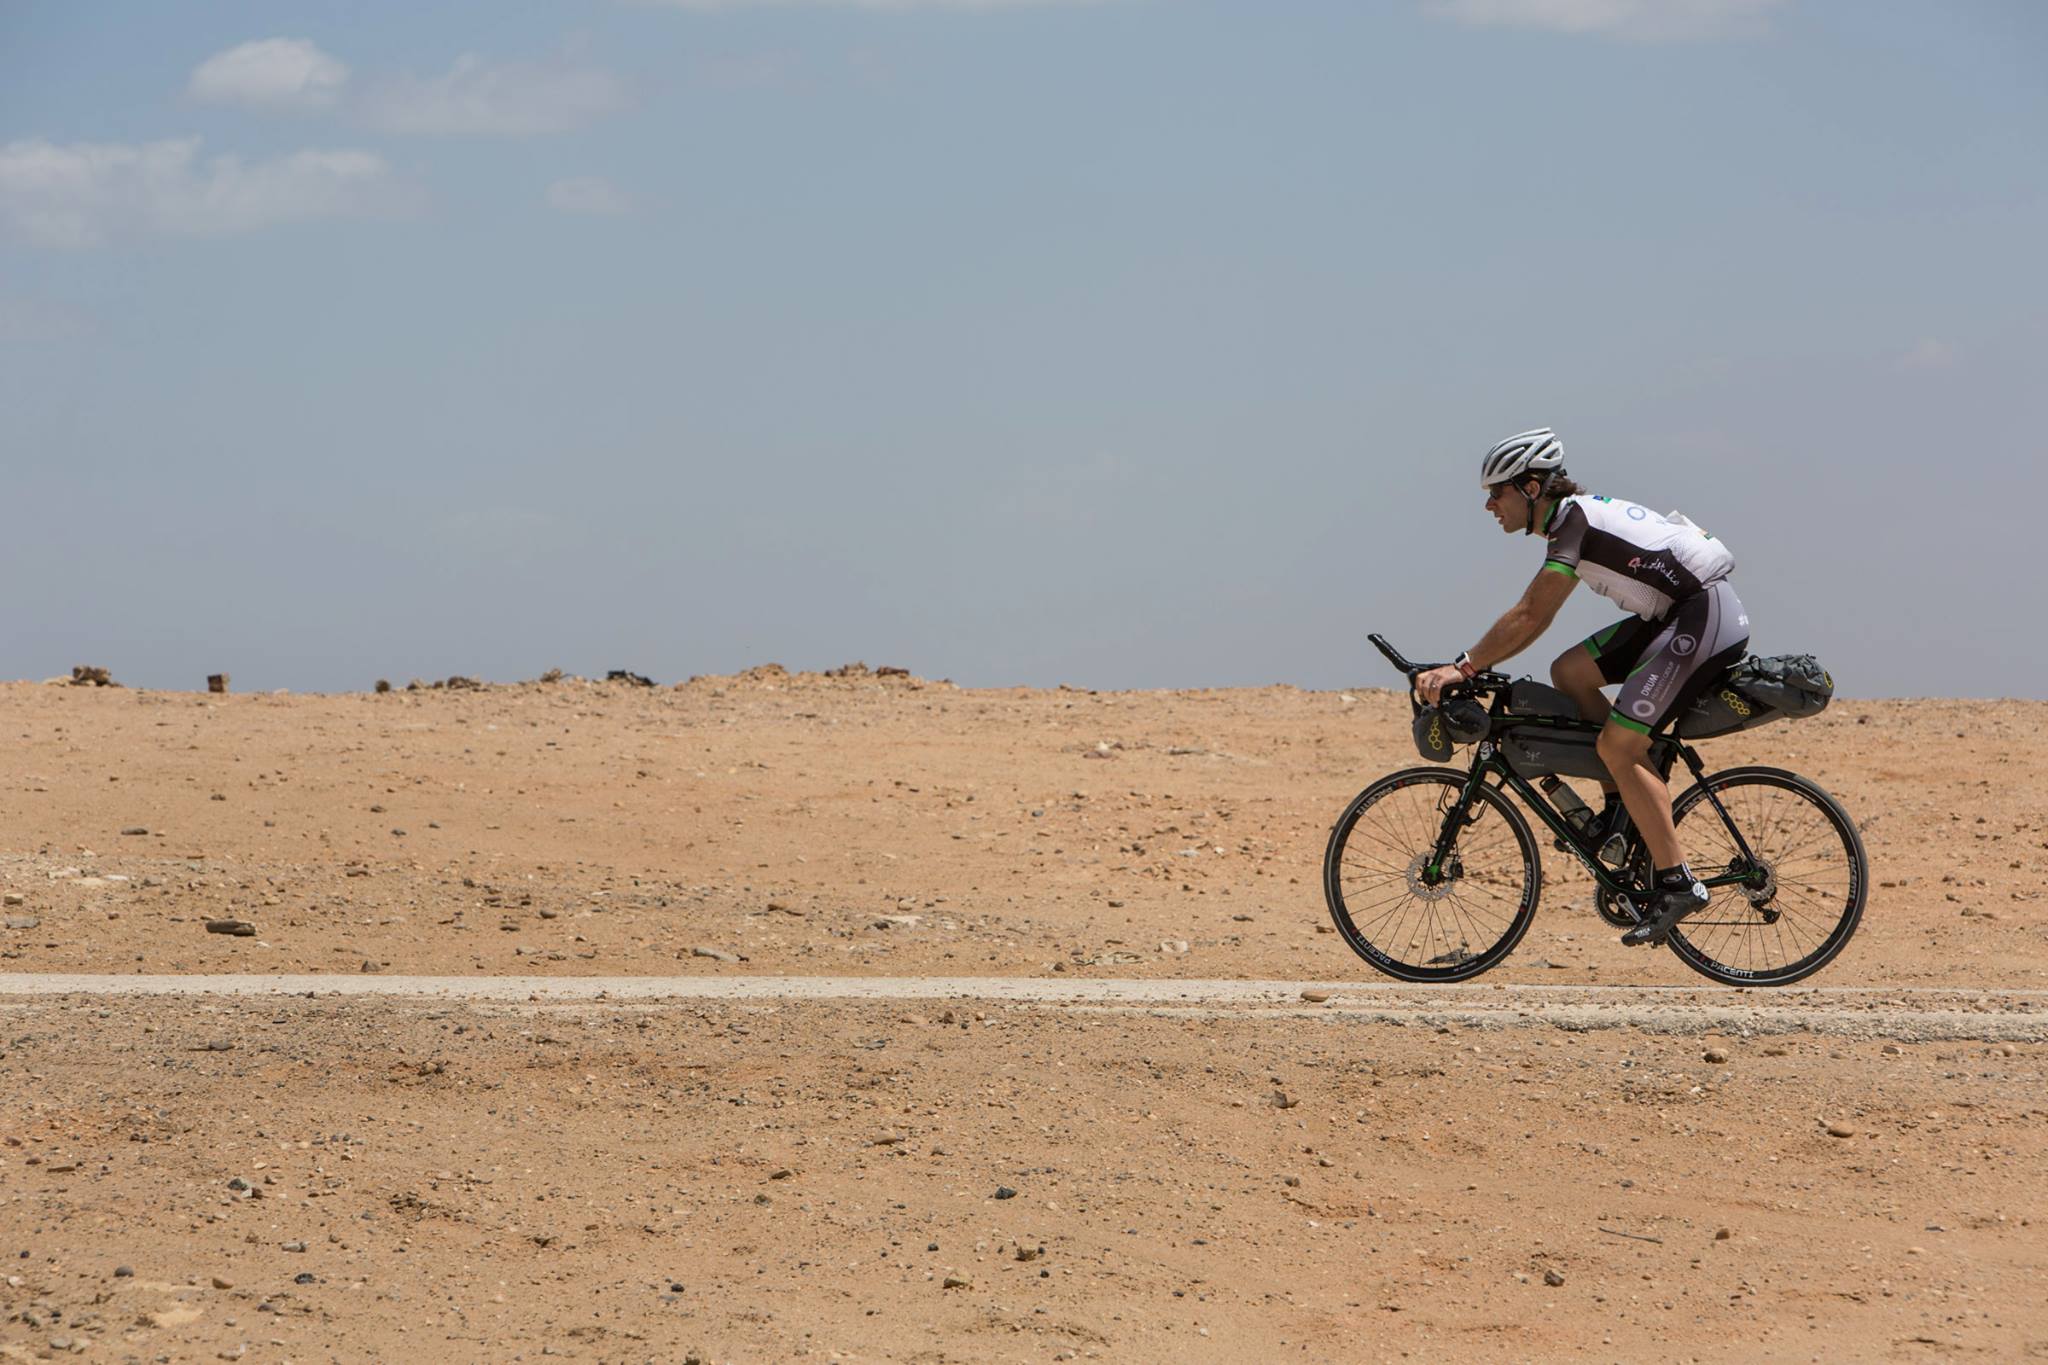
{"x":1517,"y":629}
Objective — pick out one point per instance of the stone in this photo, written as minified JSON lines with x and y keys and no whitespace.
{"x":1283,"y":1100}
{"x":303,"y":1277}
{"x":223,"y":1282}
{"x":293,"y":1246}
{"x":124,"y":1272}
{"x":1723,"y":1234}
{"x":22,"y":921}
{"x":1315,"y":997}
{"x":1840,"y":1130}
{"x":1714,"y":1055}
{"x":716,"y":954}
{"x":1552,"y":1278}
{"x":955,"y":1282}
{"x":238,"y":928}
{"x":1005,"y":1192}
{"x":136,"y":830}
{"x":15,"y":898}
{"x":216,"y":682}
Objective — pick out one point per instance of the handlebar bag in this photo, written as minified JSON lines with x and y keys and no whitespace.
{"x":1432,"y":734}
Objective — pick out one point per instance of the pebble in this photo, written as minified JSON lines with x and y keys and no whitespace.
{"x":15,"y":898}
{"x":1173,"y":945}
{"x":1714,"y":1055}
{"x":303,"y":1277}
{"x":124,"y":1272}
{"x":715,"y":954}
{"x":1723,"y":1234}
{"x":1552,"y":1278}
{"x":1315,"y":997}
{"x":135,"y":829}
{"x":1840,"y":1130}
{"x":1005,"y":1192}
{"x":1283,"y":1100}
{"x":294,"y":1246}
{"x":223,"y":1282}
{"x":240,"y":928}
{"x":22,"y":921}
{"x":955,"y":1282}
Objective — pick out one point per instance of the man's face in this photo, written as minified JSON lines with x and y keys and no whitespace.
{"x":1509,"y":507}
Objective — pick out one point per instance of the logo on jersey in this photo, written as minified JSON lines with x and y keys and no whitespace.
{"x":1637,"y":513}
{"x":1644,"y":709}
{"x":1657,"y":566}
{"x":1684,"y":645}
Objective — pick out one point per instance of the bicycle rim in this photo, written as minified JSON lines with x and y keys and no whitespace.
{"x":1816,"y":879}
{"x":1376,"y":881}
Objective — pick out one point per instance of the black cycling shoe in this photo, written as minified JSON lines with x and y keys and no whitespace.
{"x":1670,"y":906}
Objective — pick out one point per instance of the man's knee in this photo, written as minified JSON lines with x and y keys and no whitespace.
{"x":1620,"y":747}
{"x":1574,"y":669}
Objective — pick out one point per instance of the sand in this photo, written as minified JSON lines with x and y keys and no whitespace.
{"x":1378,"y":1176}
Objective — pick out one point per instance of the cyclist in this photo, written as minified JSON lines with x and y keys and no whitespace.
{"x":1687,"y":626}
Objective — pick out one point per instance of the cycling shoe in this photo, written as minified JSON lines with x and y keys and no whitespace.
{"x":1665,"y":911}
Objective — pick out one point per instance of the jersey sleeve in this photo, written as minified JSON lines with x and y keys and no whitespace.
{"x":1567,"y":541}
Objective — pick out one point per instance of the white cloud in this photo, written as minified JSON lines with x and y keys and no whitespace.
{"x":270,"y":73}
{"x":481,"y":97}
{"x":1929,"y":353}
{"x":1643,"y":20}
{"x":590,"y":195}
{"x":85,"y":193}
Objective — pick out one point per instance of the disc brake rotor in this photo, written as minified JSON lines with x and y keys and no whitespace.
{"x":1421,"y":889}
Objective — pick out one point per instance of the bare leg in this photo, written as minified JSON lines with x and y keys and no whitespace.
{"x":1577,"y":675}
{"x":1627,"y":756}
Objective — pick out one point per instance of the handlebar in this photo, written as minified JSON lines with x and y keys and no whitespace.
{"x":1486,"y":680}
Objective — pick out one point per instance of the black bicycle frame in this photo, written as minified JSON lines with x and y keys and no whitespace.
{"x":1488,"y":762}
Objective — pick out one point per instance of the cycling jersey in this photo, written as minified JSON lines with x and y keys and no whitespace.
{"x":1643,"y":560}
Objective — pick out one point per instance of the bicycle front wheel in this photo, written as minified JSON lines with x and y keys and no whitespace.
{"x":1804,"y":887}
{"x":1419,"y":923}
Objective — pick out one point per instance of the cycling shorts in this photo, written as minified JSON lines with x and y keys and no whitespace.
{"x":1664,"y":666}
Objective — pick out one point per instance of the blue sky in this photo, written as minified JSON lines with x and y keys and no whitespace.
{"x":1123,"y":343}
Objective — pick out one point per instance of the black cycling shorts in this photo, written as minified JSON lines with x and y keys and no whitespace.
{"x":1664,"y":666}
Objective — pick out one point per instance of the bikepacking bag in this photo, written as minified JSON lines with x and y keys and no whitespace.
{"x":1439,"y":728}
{"x":1757,"y":691}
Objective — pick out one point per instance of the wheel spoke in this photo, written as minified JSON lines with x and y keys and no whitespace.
{"x":1812,"y":869}
{"x":1403,"y":924}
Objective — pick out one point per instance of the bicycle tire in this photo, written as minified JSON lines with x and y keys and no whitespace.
{"x":1827,"y":945}
{"x":1395,"y":922}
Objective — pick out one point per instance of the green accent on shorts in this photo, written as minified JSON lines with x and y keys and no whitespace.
{"x":1635,"y":725}
{"x":1567,"y":570}
{"x":1600,"y":638}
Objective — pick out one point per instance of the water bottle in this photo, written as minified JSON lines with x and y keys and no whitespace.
{"x":1576,"y":813}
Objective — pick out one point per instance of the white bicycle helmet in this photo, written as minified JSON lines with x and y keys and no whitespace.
{"x":1531,"y":452}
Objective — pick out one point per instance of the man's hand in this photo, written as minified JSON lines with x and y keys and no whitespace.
{"x":1432,"y":683}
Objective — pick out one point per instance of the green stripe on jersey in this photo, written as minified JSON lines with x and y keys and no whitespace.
{"x":1620,"y":719}
{"x":1555,"y":567}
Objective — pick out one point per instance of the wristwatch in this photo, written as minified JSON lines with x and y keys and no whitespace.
{"x":1463,"y":663}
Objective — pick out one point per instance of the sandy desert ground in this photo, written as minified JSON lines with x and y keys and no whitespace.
{"x":1561,"y":1174}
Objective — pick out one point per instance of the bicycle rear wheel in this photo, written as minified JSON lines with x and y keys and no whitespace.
{"x":1408,"y":922}
{"x":1805,"y":890}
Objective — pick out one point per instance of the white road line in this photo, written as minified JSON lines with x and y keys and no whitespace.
{"x":1919,"y":1014}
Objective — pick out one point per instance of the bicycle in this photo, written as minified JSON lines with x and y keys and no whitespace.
{"x":1433,"y":875}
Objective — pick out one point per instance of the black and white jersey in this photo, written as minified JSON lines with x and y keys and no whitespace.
{"x":1640,"y":559}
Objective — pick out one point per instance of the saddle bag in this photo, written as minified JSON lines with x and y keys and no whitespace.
{"x":1757,"y":691}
